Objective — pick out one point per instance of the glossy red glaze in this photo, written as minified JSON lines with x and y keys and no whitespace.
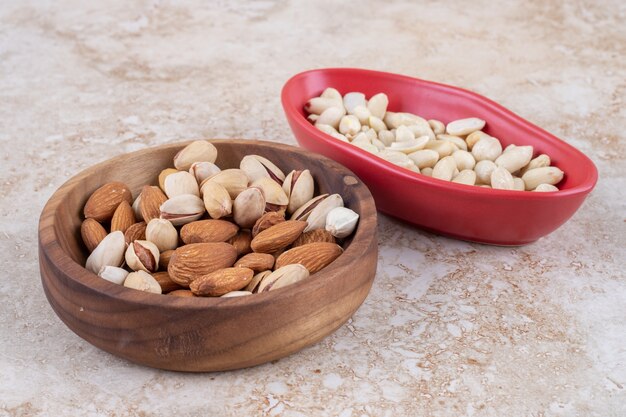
{"x":461,"y":211}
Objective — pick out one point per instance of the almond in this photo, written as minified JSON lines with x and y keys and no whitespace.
{"x":102,"y":203}
{"x":166,"y":283}
{"x":150,"y":204}
{"x":313,"y":256}
{"x":256,"y":261}
{"x":135,"y":232}
{"x":222,"y":281}
{"x":192,"y":261}
{"x":241,"y":241}
{"x":204,"y":231}
{"x":164,"y":259}
{"x":123,"y":218}
{"x":266,"y":221}
{"x":318,"y":235}
{"x":278,"y":236}
{"x":181,"y":293}
{"x":92,"y":233}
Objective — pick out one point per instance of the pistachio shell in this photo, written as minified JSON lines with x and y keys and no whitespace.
{"x":142,"y":255}
{"x":248,"y":207}
{"x":272,"y":191}
{"x":216,"y":200}
{"x":198,"y":151}
{"x":163,"y":234}
{"x":304,"y":211}
{"x":282,"y":277}
{"x":299,"y":187}
{"x":317,"y":218}
{"x":203,"y":170}
{"x":234,"y":180}
{"x":113,"y":274}
{"x":180,"y":183}
{"x":182,"y":209}
{"x":256,"y":167}
{"x":341,"y":222}
{"x":142,"y":281}
{"x":109,"y":252}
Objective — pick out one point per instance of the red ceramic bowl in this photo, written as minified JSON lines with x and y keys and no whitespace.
{"x":466,"y":212}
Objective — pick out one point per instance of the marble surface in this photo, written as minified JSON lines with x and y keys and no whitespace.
{"x":449,"y":328}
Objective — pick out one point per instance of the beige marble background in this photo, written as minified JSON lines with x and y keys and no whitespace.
{"x":450,"y":328}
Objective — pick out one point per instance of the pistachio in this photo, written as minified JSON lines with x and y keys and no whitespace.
{"x":341,"y":222}
{"x":180,"y":183}
{"x":256,"y":280}
{"x":234,"y":180}
{"x":466,"y":176}
{"x":331,"y":116}
{"x":216,"y":200}
{"x":352,"y":100}
{"x":299,"y":188}
{"x":113,"y":274}
{"x":349,"y":125}
{"x":142,"y":281}
{"x":236,"y":294}
{"x":515,"y":158}
{"x":464,"y":160}
{"x":109,"y":252}
{"x":377,"y":105}
{"x":256,"y":167}
{"x":282,"y":277}
{"x":424,"y":158}
{"x":317,"y":217}
{"x":545,"y":188}
{"x":543,"y":175}
{"x":464,"y":127}
{"x":248,"y":207}
{"x":182,"y":209}
{"x":142,"y":255}
{"x":164,"y":174}
{"x":487,"y":148}
{"x":163,"y":234}
{"x":501,"y":179}
{"x":444,"y":169}
{"x":203,"y":170}
{"x":275,"y":197}
{"x":197,"y":151}
{"x":483,"y":171}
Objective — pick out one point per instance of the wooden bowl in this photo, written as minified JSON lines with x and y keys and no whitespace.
{"x":203,"y":334}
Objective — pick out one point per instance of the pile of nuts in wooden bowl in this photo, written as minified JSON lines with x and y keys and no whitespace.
{"x":459,"y":152}
{"x":210,"y":232}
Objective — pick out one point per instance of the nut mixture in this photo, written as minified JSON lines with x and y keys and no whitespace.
{"x":204,"y":231}
{"x":459,"y":152}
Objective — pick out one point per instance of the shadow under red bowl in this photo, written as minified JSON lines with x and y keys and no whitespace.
{"x":466,"y":212}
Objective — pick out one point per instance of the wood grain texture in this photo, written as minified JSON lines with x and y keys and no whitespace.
{"x":203,"y":334}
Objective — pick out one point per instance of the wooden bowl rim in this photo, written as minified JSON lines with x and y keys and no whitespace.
{"x":62,"y":261}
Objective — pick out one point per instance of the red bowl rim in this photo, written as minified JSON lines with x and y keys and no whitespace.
{"x":293,"y":113}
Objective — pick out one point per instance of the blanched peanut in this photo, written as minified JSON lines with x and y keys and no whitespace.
{"x":363,"y":114}
{"x":377,"y":105}
{"x":455,"y":140}
{"x":444,"y":169}
{"x":483,"y":171}
{"x":518,"y":184}
{"x":426,"y":158}
{"x":317,"y":105}
{"x":437,"y":126}
{"x":332,"y":93}
{"x":472,"y":138}
{"x":515,"y":158}
{"x":441,"y":147}
{"x":541,"y":161}
{"x":349,"y":125}
{"x":427,"y":171}
{"x":464,"y":127}
{"x":487,"y":148}
{"x":501,"y":179}
{"x":352,"y":100}
{"x":546,"y":188}
{"x":403,"y":134}
{"x":544,"y":175}
{"x":466,"y":176}
{"x":464,"y":160}
{"x":387,"y":137}
{"x":331,"y":116}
